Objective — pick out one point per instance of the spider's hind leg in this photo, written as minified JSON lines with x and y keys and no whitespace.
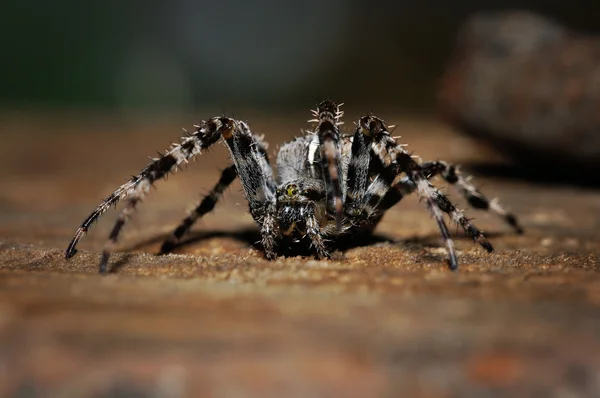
{"x":476,"y":199}
{"x":206,"y":205}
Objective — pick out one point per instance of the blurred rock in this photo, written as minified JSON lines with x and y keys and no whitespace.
{"x":528,"y":86}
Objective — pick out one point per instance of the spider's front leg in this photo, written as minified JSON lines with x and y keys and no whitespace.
{"x":394,"y":160}
{"x":327,"y":138}
{"x":228,"y":175}
{"x":254,"y":170}
{"x":207,"y":133}
{"x":364,"y":190}
{"x":315,"y":234}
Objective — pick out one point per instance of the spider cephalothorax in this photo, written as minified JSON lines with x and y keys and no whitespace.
{"x":327,"y":184}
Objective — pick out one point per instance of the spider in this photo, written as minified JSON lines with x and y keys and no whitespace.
{"x":328,"y":185}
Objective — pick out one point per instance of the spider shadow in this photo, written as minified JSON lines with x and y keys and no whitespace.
{"x":248,"y":235}
{"x":120,"y":263}
{"x":251,"y":237}
{"x":435,"y":241}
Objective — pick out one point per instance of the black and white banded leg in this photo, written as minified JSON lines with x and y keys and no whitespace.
{"x":316,"y":238}
{"x":206,"y":134}
{"x":114,"y":234}
{"x":328,"y":115}
{"x":393,"y":157}
{"x":254,"y":170}
{"x":206,"y":205}
{"x":452,"y":175}
{"x":361,"y":198}
{"x":474,"y":197}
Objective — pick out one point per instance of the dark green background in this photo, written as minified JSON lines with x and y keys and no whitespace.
{"x":265,"y":53}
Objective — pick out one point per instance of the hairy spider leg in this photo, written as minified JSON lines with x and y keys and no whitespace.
{"x":207,"y":133}
{"x":207,"y":204}
{"x":358,"y":197}
{"x":313,"y":231}
{"x":451,"y":174}
{"x":254,"y":170}
{"x":328,"y":115}
{"x":369,"y":183}
{"x":392,"y":156}
{"x":228,"y":175}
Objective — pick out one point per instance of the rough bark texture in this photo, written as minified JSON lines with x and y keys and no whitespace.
{"x":215,"y":319}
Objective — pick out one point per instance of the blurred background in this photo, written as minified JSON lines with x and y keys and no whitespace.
{"x":183,"y":54}
{"x":520,"y":76}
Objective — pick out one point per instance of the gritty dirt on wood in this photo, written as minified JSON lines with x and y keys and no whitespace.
{"x":384,"y":317}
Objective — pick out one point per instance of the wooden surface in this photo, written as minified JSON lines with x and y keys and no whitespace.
{"x":214,"y":319}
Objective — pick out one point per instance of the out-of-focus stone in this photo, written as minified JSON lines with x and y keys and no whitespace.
{"x":528,"y":86}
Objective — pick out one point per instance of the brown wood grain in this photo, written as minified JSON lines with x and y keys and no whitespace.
{"x":215,"y":319}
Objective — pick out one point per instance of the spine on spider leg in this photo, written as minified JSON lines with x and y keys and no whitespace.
{"x":206,"y":134}
{"x":328,"y":116}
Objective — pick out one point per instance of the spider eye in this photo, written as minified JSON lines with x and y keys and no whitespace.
{"x":292,"y":190}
